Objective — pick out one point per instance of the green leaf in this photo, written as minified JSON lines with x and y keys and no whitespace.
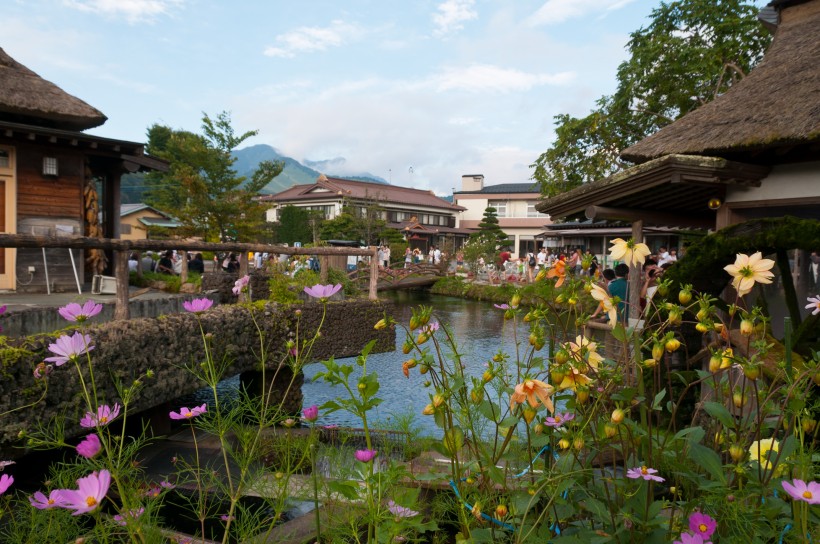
{"x":348,"y":490}
{"x":656,"y":403}
{"x":619,"y":333}
{"x":719,"y":412}
{"x":707,"y":459}
{"x":697,"y":434}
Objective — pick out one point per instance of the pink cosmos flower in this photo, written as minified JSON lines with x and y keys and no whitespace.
{"x":323,"y":291}
{"x":131,"y":515}
{"x":41,"y":502}
{"x":559,"y":419}
{"x":702,"y":524}
{"x":400,"y":511}
{"x":166,"y":484}
{"x":241,"y":285}
{"x":802,"y":491}
{"x":74,"y":312}
{"x":502,"y":306}
{"x":42,"y":370}
{"x":104,"y":416}
{"x":311,"y":413}
{"x":198,"y":305}
{"x":69,"y":348}
{"x":643,"y":472}
{"x":225,"y":517}
{"x":185,"y":413}
{"x":4,"y":464}
{"x":153,"y":492}
{"x":365,"y":456}
{"x":688,"y":538}
{"x":5,"y":482}
{"x":813,"y":305}
{"x":91,"y":492}
{"x":89,"y":447}
{"x":430,"y":328}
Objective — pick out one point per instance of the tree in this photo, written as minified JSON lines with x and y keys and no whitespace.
{"x":489,"y":229}
{"x":360,"y":220}
{"x":691,"y":52}
{"x":201,"y":188}
{"x":294,"y":225}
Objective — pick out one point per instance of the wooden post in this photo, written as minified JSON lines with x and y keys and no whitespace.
{"x":121,"y":310}
{"x":374,"y":276}
{"x":183,"y":272}
{"x":635,"y":274}
{"x":139,"y":263}
{"x":323,"y":265}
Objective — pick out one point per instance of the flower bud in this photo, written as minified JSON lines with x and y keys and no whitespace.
{"x":702,"y":327}
{"x":809,"y":425}
{"x":538,"y":429}
{"x":382,"y":324}
{"x":476,"y":511}
{"x":610,"y":430}
{"x":582,"y":395}
{"x":657,"y":351}
{"x":650,"y":363}
{"x":407,"y":347}
{"x":715,"y":363}
{"x":672,"y":345}
{"x":428,"y":410}
{"x":477,"y":395}
{"x":739,"y":399}
{"x":578,"y":443}
{"x":438,"y":400}
{"x":684,"y":296}
{"x":746,"y":327}
{"x":501,"y":511}
{"x":617,"y":416}
{"x":563,"y":444}
{"x":515,"y":301}
{"x":751,"y":371}
{"x":561,"y":356}
{"x":737,"y":453}
{"x":487,"y":376}
{"x":529,"y":414}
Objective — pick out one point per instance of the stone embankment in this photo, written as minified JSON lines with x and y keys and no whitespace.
{"x":169,"y":346}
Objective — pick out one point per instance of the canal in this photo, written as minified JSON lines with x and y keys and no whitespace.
{"x":479,"y":328}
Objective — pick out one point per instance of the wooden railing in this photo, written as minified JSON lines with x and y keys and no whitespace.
{"x":122,"y":248}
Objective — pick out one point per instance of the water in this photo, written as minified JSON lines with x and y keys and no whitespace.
{"x":478,"y":327}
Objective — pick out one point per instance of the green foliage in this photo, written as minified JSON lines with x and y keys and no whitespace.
{"x":489,"y":229}
{"x":201,"y":187}
{"x":360,"y":220}
{"x":294,"y":225}
{"x":691,"y":52}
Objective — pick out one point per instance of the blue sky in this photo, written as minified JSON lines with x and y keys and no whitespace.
{"x":439,"y":87}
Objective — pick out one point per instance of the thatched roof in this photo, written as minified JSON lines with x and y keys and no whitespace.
{"x":27,"y":98}
{"x":776,"y":106}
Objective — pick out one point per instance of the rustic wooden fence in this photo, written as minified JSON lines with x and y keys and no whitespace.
{"x":122,"y":248}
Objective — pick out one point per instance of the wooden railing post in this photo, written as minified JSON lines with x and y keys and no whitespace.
{"x":323,"y":265}
{"x":183,"y":272}
{"x":121,"y":310}
{"x":374,"y":276}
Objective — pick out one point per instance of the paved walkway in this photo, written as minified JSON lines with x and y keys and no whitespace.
{"x":16,"y":302}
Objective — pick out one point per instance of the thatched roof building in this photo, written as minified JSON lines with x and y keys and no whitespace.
{"x":27,"y":98}
{"x":775,"y":109}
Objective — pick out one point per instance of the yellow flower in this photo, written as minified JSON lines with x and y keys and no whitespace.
{"x":749,"y":269}
{"x":759,"y":451}
{"x":585,"y":350}
{"x":610,"y":307}
{"x":573,"y":380}
{"x":629,"y":251}
{"x":533,"y":391}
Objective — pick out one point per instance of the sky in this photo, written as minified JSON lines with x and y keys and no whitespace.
{"x":418,"y":92}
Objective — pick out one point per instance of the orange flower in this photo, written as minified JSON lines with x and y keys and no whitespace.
{"x":533,"y":391}
{"x":559,"y":271}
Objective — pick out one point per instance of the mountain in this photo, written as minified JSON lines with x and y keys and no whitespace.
{"x":248,"y":158}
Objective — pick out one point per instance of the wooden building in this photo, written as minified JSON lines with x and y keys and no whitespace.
{"x":137,"y":221}
{"x":55,"y":179}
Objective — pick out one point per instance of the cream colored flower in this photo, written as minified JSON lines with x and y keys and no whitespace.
{"x":583,"y":349}
{"x":749,"y":269}
{"x":629,"y":251}
{"x":610,"y":307}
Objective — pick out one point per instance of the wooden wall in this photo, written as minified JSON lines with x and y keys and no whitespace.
{"x":42,"y":204}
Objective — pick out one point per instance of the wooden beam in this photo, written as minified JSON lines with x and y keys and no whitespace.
{"x":121,"y":310}
{"x":374,"y":275}
{"x":635,"y":275}
{"x":651,"y":217}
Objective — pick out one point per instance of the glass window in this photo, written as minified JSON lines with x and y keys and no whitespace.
{"x":500,"y":207}
{"x":532,"y":212}
{"x":4,"y":159}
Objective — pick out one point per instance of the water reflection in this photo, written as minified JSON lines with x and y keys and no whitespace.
{"x":480,"y":330}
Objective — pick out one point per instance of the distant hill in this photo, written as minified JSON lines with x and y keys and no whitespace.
{"x":248,"y":158}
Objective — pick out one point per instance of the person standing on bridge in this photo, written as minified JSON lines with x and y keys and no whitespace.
{"x":408,"y":257}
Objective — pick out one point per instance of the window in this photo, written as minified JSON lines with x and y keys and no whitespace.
{"x":500,"y":207}
{"x":532,"y":212}
{"x":4,"y":159}
{"x":125,"y":228}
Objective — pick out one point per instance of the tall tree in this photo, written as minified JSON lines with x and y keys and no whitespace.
{"x":294,"y":225}
{"x":690,"y":53}
{"x":201,"y":187}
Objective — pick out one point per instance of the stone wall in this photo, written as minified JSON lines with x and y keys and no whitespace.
{"x":124,"y":350}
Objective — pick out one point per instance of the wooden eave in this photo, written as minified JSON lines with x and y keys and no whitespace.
{"x":667,"y":188}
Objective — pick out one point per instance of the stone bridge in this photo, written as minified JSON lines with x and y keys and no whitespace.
{"x":125,"y":350}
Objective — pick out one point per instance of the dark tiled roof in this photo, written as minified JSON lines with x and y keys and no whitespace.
{"x":529,"y":187}
{"x":361,"y":190}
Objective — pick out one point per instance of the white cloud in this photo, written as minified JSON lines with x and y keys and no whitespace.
{"x":558,"y":11}
{"x":133,"y":11}
{"x":482,"y":78}
{"x":451,"y":14}
{"x":312,"y":39}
